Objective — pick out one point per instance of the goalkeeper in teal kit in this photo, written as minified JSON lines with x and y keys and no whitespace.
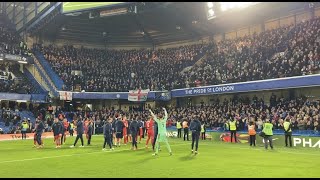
{"x":162,"y":131}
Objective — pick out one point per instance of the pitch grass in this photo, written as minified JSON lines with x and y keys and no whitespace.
{"x":216,"y":159}
{"x":75,"y":6}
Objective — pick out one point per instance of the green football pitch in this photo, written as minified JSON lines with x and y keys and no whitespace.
{"x":75,"y":6}
{"x":215,"y":159}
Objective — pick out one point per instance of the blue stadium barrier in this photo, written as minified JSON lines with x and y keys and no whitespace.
{"x":48,"y":68}
{"x":46,"y":80}
{"x":34,"y":82}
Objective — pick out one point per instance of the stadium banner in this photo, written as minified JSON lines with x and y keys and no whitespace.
{"x":107,"y":95}
{"x":163,"y":96}
{"x":39,"y":98}
{"x":278,"y":140}
{"x":15,"y":96}
{"x":138,"y":95}
{"x":65,"y":95}
{"x":8,"y":137}
{"x":270,"y":84}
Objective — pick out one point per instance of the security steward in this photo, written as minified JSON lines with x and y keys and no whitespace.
{"x":233,"y":130}
{"x":288,"y":132}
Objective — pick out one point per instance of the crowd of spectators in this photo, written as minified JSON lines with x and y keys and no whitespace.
{"x":303,"y":113}
{"x":13,"y":114}
{"x":283,"y":52}
{"x":14,"y":81}
{"x":11,"y":79}
{"x":121,"y":70}
{"x":10,"y":41}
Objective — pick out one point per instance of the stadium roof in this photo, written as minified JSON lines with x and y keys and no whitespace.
{"x":158,"y":23}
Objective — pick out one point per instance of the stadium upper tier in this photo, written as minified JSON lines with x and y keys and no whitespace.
{"x":12,"y":79}
{"x":284,"y":52}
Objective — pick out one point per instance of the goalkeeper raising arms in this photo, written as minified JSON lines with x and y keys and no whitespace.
{"x":162,"y":131}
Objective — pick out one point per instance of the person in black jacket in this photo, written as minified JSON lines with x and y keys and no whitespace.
{"x":195,"y":128}
{"x":80,"y":131}
{"x":119,"y":125}
{"x":107,"y":133}
{"x":89,"y":132}
{"x":39,"y":131}
{"x":134,"y":129}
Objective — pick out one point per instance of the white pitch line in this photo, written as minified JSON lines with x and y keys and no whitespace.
{"x":48,"y":157}
{"x":177,"y":144}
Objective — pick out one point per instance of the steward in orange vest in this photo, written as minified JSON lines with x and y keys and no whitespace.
{"x":252,"y":133}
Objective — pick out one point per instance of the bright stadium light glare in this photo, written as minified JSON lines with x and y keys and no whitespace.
{"x":210,"y":4}
{"x":232,"y":5}
{"x":224,"y":7}
{"x":211,"y":12}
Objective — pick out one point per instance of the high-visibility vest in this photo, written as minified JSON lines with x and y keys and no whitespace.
{"x":71,"y":126}
{"x":233,"y":125}
{"x":267,"y":129}
{"x":179,"y":125}
{"x":24,"y":126}
{"x":286,"y":126}
{"x":202,"y":128}
{"x":251,"y":130}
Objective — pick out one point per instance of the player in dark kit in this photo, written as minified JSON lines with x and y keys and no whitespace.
{"x":39,"y":131}
{"x":35,"y":134}
{"x":89,"y":132}
{"x":107,"y":133}
{"x":80,"y":131}
{"x":134,"y":129}
{"x":140,"y":133}
{"x":195,"y":128}
{"x":119,"y":130}
{"x":57,"y":129}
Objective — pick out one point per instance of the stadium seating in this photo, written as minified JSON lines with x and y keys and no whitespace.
{"x":8,"y":122}
{"x":11,"y":79}
{"x":284,"y":52}
{"x":277,"y":53}
{"x":112,"y":70}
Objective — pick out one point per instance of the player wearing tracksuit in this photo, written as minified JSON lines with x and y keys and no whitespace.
{"x":119,"y":130}
{"x":195,"y":128}
{"x":107,"y":133}
{"x":39,"y":131}
{"x":134,"y":129}
{"x":80,"y":131}
{"x":89,"y":132}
